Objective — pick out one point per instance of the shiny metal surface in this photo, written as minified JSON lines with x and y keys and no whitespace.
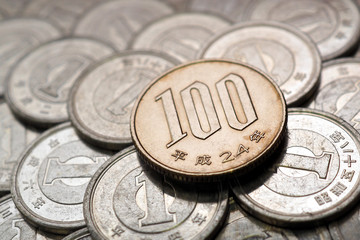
{"x":13,"y":226}
{"x":208,"y":119}
{"x":18,"y":37}
{"x":101,"y":101}
{"x":338,"y":92}
{"x":145,"y":205}
{"x":333,"y":25}
{"x":314,"y":179}
{"x":39,"y":86}
{"x":14,"y":138}
{"x":274,"y":48}
{"x":115,"y":22}
{"x":50,"y":181}
{"x":82,"y":234}
{"x":180,"y":35}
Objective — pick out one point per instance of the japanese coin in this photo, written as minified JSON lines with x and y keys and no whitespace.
{"x":274,"y":48}
{"x":13,"y":226}
{"x":348,"y":227}
{"x":38,"y":88}
{"x":14,"y":137}
{"x":314,"y":179}
{"x":240,"y":225}
{"x":101,"y":101}
{"x":339,"y":91}
{"x":19,"y":36}
{"x":180,"y":35}
{"x":12,"y":8}
{"x":332,"y":24}
{"x":128,"y":200}
{"x":115,"y":22}
{"x":82,"y":234}
{"x":64,"y":13}
{"x":208,"y":119}
{"x":50,"y":181}
{"x":233,"y":10}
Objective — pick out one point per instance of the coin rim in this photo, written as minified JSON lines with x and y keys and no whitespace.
{"x":308,"y":90}
{"x":323,"y":216}
{"x":59,"y":227}
{"x":211,"y":176}
{"x":24,"y":117}
{"x":88,"y":134}
{"x":84,"y":232}
{"x":220,"y":215}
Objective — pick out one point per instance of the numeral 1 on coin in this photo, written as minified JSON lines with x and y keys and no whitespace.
{"x":233,"y":107}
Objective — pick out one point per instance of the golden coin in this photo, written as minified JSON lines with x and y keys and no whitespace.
{"x":208,"y":119}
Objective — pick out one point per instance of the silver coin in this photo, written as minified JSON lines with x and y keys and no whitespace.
{"x":115,"y":22}
{"x":64,"y":13}
{"x":332,"y":24}
{"x":39,"y":86}
{"x":101,"y":101}
{"x":50,"y":181}
{"x":274,"y":48}
{"x":180,"y":35}
{"x":13,"y":226}
{"x":12,"y":8}
{"x":18,"y":37}
{"x":339,"y":90}
{"x":240,"y":225}
{"x":348,"y":227}
{"x":14,"y":138}
{"x":314,"y":179}
{"x":82,"y":234}
{"x":233,"y":10}
{"x":128,"y":200}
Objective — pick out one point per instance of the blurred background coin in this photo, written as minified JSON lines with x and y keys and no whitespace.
{"x":12,"y":8}
{"x":64,"y":13}
{"x":82,"y":234}
{"x":314,"y":179}
{"x":115,"y":22}
{"x":130,"y":201}
{"x":233,"y":10}
{"x":274,"y":48}
{"x":13,"y":226}
{"x":14,"y":138}
{"x":339,"y":90}
{"x":39,"y":86}
{"x":240,"y":225}
{"x":332,"y":24}
{"x":101,"y":101}
{"x":18,"y":37}
{"x":50,"y":181}
{"x":180,"y":35}
{"x":208,"y":119}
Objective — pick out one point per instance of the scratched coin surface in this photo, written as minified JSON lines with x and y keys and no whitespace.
{"x":101,"y":101}
{"x":115,"y":22}
{"x":13,"y":226}
{"x":208,"y":119}
{"x":39,"y":86}
{"x":50,"y":181}
{"x":64,"y":13}
{"x":14,"y":138}
{"x":18,"y":37}
{"x":274,"y":48}
{"x":333,"y":25}
{"x":128,"y":200}
{"x":180,"y":35}
{"x":240,"y":225}
{"x":339,"y":90}
{"x":82,"y":234}
{"x":348,"y":227}
{"x":314,"y":179}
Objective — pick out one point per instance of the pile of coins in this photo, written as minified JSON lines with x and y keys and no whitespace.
{"x":179,"y":119}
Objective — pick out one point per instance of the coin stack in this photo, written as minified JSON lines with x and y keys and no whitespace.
{"x":179,"y":119}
